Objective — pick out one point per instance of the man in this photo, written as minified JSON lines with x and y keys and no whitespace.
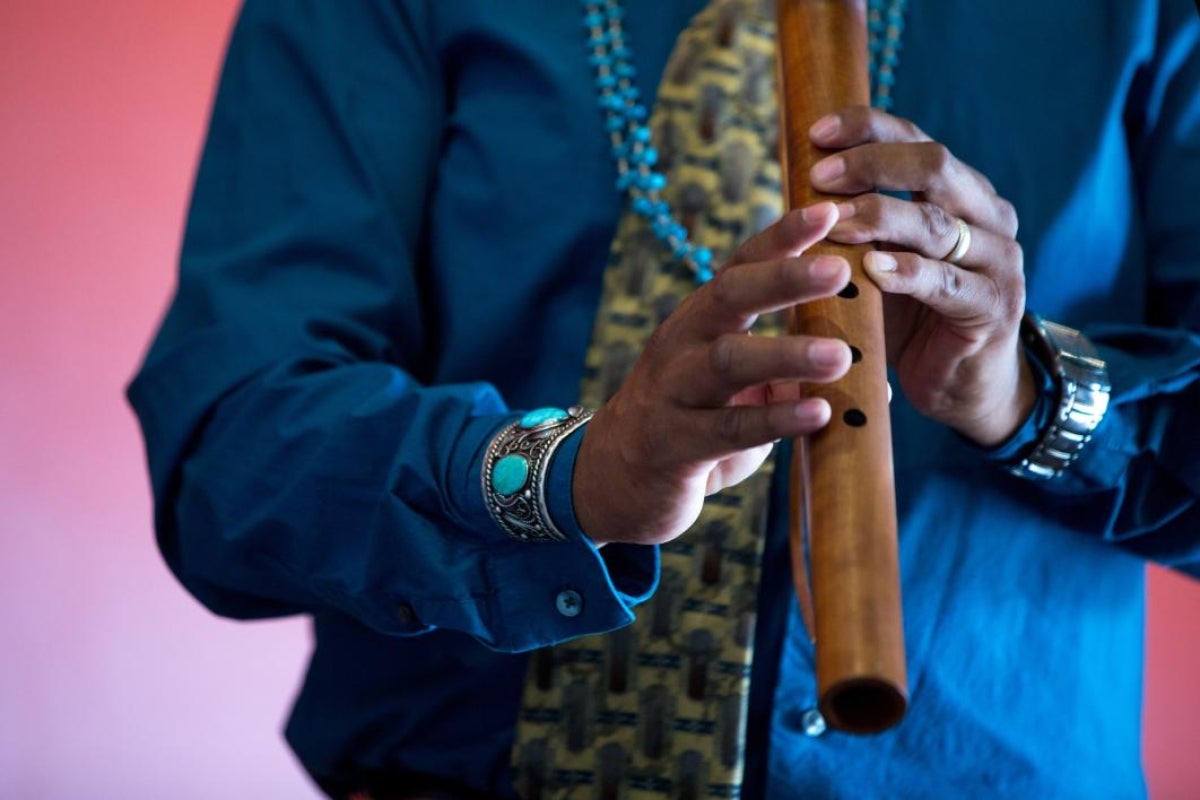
{"x":399,"y":232}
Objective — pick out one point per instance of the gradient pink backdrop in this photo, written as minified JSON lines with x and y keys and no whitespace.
{"x":113,"y":683}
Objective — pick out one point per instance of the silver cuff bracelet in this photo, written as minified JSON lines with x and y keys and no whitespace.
{"x":515,"y":468}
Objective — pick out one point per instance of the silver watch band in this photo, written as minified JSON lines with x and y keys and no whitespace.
{"x":1084,"y":388}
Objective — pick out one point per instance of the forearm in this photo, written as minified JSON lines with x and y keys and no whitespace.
{"x":347,"y":486}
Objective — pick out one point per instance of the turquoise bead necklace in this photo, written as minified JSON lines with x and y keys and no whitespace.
{"x":629,"y":135}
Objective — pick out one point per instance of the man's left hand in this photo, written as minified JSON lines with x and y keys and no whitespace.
{"x":952,"y":329}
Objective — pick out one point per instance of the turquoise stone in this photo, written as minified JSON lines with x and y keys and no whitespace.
{"x":509,"y":475}
{"x":542,"y":415}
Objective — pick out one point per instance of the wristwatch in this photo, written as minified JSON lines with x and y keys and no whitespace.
{"x":1083,"y":395}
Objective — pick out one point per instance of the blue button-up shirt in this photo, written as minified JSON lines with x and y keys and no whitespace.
{"x":399,"y":227}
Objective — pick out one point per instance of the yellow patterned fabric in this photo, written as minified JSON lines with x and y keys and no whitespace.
{"x":658,"y":709}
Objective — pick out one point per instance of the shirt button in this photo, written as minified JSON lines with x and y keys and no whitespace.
{"x":813,"y":723}
{"x":569,"y":603}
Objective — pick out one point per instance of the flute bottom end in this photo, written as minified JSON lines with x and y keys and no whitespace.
{"x":864,"y":705}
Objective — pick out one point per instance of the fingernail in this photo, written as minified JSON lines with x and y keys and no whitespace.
{"x":879,"y":262}
{"x":812,"y":412}
{"x":825,"y":127}
{"x":828,"y":169}
{"x":817,"y":212}
{"x":846,"y":210}
{"x":827,"y":354}
{"x":825,"y":268}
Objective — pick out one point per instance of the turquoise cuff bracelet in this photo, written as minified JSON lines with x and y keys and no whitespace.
{"x":515,"y":468}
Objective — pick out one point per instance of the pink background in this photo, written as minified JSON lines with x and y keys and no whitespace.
{"x":114,"y":683}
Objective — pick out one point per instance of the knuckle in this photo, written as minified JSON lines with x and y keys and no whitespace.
{"x":912,"y":131}
{"x":1014,"y":306}
{"x":868,"y":209}
{"x":1012,"y":299}
{"x":694,"y":303}
{"x":730,"y":426}
{"x":1013,"y":255}
{"x":723,"y":288}
{"x":938,"y":158}
{"x":937,"y":224}
{"x":1009,"y":222}
{"x":720,"y":356}
{"x":1009,"y":302}
{"x":950,"y":283}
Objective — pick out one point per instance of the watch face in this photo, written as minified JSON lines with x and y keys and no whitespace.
{"x":1075,"y":355}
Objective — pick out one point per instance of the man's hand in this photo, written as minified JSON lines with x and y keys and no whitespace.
{"x":703,"y":405}
{"x":952,"y":329}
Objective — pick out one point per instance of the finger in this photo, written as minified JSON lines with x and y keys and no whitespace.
{"x":963,"y":297}
{"x":926,"y":167}
{"x":792,"y":234}
{"x":922,"y":227}
{"x":861,"y":124}
{"x":732,"y":301}
{"x":735,"y":362}
{"x":726,"y":431}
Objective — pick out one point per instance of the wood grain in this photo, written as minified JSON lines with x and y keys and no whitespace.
{"x":846,"y":497}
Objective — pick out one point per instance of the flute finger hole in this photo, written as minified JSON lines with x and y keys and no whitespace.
{"x":854,"y":418}
{"x":855,"y":355}
{"x":850,"y":292}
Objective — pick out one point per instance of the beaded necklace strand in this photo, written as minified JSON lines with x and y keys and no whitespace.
{"x":625,"y":115}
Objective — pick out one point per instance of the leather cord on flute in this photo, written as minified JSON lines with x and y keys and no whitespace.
{"x":843,"y":484}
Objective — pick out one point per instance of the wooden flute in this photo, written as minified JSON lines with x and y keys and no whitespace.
{"x":843,"y":483}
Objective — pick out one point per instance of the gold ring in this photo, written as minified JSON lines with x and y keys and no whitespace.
{"x":959,"y":251}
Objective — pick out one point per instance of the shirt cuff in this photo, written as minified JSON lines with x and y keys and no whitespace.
{"x":633,"y":568}
{"x":542,"y":593}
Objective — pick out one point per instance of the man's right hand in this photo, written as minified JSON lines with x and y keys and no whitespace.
{"x":705,"y":402}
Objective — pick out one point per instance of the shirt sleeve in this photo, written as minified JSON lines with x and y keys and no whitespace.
{"x":301,"y":456}
{"x":1137,"y":482}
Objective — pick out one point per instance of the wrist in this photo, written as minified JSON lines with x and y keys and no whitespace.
{"x":618,"y":498}
{"x":998,"y":424}
{"x":1024,"y":438}
{"x":587,"y":493}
